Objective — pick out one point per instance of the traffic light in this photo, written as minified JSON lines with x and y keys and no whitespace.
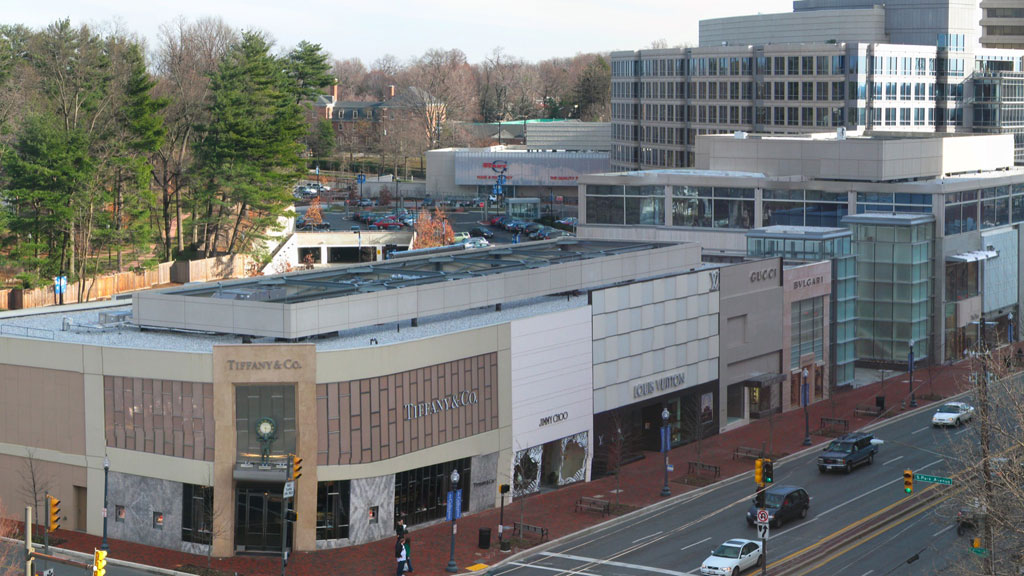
{"x":503,"y":489}
{"x":759,"y":499}
{"x":53,"y":507}
{"x":296,"y":467}
{"x":767,"y":471}
{"x":99,"y":562}
{"x":759,"y":472}
{"x":908,"y":481}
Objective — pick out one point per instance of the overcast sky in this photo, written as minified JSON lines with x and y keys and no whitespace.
{"x":530,"y":29}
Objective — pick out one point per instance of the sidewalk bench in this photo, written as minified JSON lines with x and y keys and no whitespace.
{"x":593,"y":505}
{"x":836,"y":424}
{"x":698,"y":467}
{"x":521,"y":529}
{"x":746,"y":452}
{"x":867,"y":410}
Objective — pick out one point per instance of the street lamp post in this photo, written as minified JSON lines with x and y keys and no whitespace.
{"x":664,"y":448}
{"x":910,"y":367}
{"x":1009,"y":327}
{"x":106,"y":472}
{"x":807,"y":417}
{"x":451,"y":503}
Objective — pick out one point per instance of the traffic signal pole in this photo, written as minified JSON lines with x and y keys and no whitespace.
{"x":284,"y":522}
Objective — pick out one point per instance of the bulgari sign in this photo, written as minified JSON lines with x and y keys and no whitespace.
{"x":659,"y":385}
{"x":442,"y":404}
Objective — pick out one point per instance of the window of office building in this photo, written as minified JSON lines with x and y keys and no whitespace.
{"x":421,"y":494}
{"x":890,"y":202}
{"x":197,"y":514}
{"x":807,"y":68}
{"x":707,"y":207}
{"x":807,"y":330}
{"x":803,"y":208}
{"x":332,"y":509}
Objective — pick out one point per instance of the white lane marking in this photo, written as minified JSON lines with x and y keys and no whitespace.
{"x":920,"y":430}
{"x":962,"y":430}
{"x":866,"y":573}
{"x":695,"y":543}
{"x":886,"y":485}
{"x":950,"y":527}
{"x":646,"y":537}
{"x":891,"y":461}
{"x":562,"y":570}
{"x":617,"y":564}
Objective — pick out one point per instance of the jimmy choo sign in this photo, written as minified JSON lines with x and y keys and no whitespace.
{"x":442,"y":404}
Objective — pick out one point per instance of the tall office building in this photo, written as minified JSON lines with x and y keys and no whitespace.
{"x":1002,"y":24}
{"x":828,"y":65}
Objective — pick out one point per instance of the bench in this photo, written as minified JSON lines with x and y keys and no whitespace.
{"x":699,"y":467}
{"x":867,"y":410}
{"x":835,"y":424}
{"x":747,"y":452}
{"x":521,"y":529}
{"x":593,"y":505}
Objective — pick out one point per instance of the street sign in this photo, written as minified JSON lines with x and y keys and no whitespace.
{"x":762,"y":530}
{"x":48,"y":572}
{"x":289,"y":489}
{"x":762,"y":516}
{"x":980,"y":551}
{"x":361,"y":178}
{"x":933,"y":479}
{"x":671,"y":468}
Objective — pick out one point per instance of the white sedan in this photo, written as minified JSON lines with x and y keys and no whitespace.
{"x":733,"y":557}
{"x":952,"y":414}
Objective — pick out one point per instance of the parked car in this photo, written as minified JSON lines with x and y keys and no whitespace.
{"x":514,"y":225}
{"x":847,"y":452}
{"x":732,"y":557}
{"x":481,"y":232}
{"x":569,"y":221}
{"x":476,"y":243}
{"x":532,"y":227}
{"x":783,"y":502}
{"x":366,"y":202}
{"x":497,"y":219}
{"x":461,"y":236}
{"x":953,"y":414}
{"x":392,"y":225}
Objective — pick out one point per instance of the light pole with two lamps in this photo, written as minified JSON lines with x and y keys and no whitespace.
{"x":807,"y":417}
{"x":665,"y":444}
{"x":910,"y":368}
{"x":106,"y":472}
{"x":453,"y":509}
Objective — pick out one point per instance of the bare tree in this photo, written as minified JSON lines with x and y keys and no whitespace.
{"x":350,"y":75}
{"x":446,"y":91}
{"x":186,"y":57}
{"x":992,"y":463}
{"x":10,"y":552}
{"x":35,"y":483}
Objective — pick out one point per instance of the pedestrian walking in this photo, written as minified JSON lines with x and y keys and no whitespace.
{"x":400,"y":527}
{"x":400,"y":555}
{"x":408,"y":554}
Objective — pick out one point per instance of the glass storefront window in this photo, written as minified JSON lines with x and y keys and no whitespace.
{"x":646,"y":211}
{"x":421,"y":494}
{"x":332,"y":509}
{"x":691,"y":212}
{"x":197,"y":514}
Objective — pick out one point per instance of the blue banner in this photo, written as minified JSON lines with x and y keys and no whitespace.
{"x":458,"y":503}
{"x":666,"y":438}
{"x":450,"y":507}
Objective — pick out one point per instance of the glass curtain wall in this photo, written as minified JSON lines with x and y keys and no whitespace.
{"x":894,"y":287}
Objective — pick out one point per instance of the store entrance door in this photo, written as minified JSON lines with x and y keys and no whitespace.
{"x":258,"y":517}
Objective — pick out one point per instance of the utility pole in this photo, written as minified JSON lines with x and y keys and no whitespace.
{"x":986,"y":466}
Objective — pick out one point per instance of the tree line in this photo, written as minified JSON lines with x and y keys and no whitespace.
{"x":113,"y":156}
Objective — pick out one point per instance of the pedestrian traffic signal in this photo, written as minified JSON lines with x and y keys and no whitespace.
{"x":99,"y":562}
{"x":53,"y":519}
{"x":759,"y":499}
{"x":296,"y":467}
{"x":767,"y":471}
{"x":908,"y":481}
{"x":503,"y":489}
{"x":759,"y":472}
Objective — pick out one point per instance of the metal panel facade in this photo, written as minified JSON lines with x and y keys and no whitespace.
{"x":474,"y":168}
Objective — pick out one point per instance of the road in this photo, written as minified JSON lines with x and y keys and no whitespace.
{"x":674,"y":538}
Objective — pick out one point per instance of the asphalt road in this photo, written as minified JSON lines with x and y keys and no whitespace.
{"x":676,"y":537}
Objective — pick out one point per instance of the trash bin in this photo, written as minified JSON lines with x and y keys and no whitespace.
{"x":485,"y":538}
{"x":880,"y":403}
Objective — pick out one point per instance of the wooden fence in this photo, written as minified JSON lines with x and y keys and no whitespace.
{"x":105,"y":287}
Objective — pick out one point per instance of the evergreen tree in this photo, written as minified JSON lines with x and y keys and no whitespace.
{"x":252,"y":152}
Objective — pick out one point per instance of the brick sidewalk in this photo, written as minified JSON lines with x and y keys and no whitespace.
{"x":640,"y":484}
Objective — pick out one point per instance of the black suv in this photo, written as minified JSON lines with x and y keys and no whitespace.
{"x":847,"y":452}
{"x":782,"y":503}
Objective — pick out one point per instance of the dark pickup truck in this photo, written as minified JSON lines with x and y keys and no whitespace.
{"x":847,"y":452}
